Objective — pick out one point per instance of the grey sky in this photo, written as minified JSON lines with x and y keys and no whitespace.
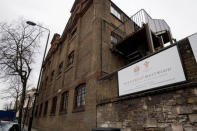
{"x":54,"y":14}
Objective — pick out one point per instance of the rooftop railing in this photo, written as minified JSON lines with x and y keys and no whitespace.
{"x":156,"y":25}
{"x":140,"y":18}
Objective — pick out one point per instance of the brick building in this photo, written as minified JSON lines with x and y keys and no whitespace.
{"x":68,"y":88}
{"x":79,"y":75}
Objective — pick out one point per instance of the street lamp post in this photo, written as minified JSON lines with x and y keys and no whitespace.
{"x":40,"y":74}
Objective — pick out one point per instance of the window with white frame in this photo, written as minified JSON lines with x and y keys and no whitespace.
{"x":115,"y":12}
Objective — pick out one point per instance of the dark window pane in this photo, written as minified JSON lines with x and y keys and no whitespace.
{"x":80,"y":96}
{"x":45,"y":108}
{"x":40,"y":112}
{"x":115,"y":38}
{"x":36,"y":112}
{"x":64,"y":102}
{"x":46,"y":82}
{"x":73,"y":32}
{"x":60,"y":68}
{"x":53,"y":107}
{"x":70,"y":58}
{"x":52,"y":75}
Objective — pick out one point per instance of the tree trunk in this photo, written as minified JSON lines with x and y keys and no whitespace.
{"x":22,"y":104}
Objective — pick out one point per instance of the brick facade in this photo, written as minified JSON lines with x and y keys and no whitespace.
{"x":87,"y":34}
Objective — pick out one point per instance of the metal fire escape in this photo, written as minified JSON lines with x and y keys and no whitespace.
{"x":158,"y":26}
{"x":149,"y":36}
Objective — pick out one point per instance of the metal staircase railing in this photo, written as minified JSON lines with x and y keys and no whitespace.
{"x":156,"y":25}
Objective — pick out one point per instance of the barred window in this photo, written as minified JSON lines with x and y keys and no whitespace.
{"x":64,"y":102}
{"x":45,"y":108}
{"x":70,"y":59}
{"x":53,"y":106}
{"x":80,"y":96}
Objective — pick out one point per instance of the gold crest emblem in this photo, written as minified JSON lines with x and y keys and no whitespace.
{"x":136,"y":69}
{"x":146,"y":63}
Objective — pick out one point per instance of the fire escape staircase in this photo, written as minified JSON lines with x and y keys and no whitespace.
{"x":137,"y":44}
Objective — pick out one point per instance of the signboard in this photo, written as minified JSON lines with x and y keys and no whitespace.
{"x":193,"y":43}
{"x":161,"y":69}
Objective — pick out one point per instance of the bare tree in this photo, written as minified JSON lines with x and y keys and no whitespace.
{"x":13,"y":91}
{"x":7,"y":106}
{"x":18,"y":44}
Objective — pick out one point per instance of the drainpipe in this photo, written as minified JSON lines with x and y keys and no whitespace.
{"x":101,"y":48}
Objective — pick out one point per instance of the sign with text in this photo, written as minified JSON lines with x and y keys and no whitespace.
{"x":161,"y":69}
{"x":193,"y":43}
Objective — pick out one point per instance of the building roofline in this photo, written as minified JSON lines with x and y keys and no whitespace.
{"x":66,"y":30}
{"x":67,"y":27}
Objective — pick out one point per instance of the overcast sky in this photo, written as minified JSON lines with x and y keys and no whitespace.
{"x":54,"y":14}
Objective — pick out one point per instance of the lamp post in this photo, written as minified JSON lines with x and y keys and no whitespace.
{"x":40,"y":74}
